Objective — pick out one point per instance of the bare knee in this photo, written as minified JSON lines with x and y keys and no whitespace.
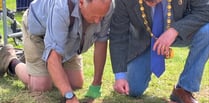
{"x":41,"y":88}
{"x":40,"y":84}
{"x":77,"y":85}
{"x":75,"y":78}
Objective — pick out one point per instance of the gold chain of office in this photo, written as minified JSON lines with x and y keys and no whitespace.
{"x":171,"y":52}
{"x":145,"y":17}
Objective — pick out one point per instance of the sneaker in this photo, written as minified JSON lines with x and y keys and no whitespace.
{"x":7,"y":53}
{"x":179,"y":95}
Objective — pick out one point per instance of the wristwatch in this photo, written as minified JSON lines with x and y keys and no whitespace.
{"x":69,"y":95}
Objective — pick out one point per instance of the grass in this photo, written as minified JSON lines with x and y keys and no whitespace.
{"x":13,"y":91}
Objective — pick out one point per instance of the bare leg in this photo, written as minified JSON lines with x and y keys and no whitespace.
{"x":75,"y":78}
{"x":34,"y":83}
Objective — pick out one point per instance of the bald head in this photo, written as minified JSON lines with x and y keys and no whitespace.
{"x":94,"y":10}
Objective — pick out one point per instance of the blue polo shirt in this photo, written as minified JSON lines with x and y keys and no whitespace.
{"x":51,"y":19}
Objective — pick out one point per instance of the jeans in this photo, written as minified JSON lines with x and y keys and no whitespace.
{"x":139,"y":73}
{"x":191,"y":76}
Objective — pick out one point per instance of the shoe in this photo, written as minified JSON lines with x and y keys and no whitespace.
{"x":20,"y":55}
{"x":7,"y":53}
{"x":179,"y":95}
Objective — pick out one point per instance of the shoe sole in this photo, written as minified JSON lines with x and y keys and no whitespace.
{"x":175,"y":99}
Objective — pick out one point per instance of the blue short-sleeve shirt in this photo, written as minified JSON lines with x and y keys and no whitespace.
{"x":51,"y":19}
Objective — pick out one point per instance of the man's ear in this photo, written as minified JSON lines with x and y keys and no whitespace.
{"x":81,"y":3}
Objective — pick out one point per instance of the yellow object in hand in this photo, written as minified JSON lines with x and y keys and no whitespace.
{"x":170,"y":54}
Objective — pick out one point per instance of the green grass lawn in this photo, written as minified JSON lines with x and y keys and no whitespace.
{"x":13,"y":91}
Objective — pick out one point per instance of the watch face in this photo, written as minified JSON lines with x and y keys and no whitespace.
{"x":69,"y":95}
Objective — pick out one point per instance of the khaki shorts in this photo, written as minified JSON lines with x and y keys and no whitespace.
{"x":33,"y":49}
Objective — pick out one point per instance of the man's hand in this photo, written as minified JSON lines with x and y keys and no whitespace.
{"x":121,"y":86}
{"x":163,"y":43}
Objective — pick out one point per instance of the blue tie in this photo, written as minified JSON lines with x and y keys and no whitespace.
{"x":157,"y":61}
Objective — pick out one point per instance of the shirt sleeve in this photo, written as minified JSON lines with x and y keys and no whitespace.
{"x":56,"y":29}
{"x":120,"y":75}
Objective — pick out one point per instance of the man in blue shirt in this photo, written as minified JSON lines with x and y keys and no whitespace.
{"x":185,"y":22}
{"x":55,"y":33}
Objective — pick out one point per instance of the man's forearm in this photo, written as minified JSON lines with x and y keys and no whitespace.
{"x":57,"y":73}
{"x":100,"y":51}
